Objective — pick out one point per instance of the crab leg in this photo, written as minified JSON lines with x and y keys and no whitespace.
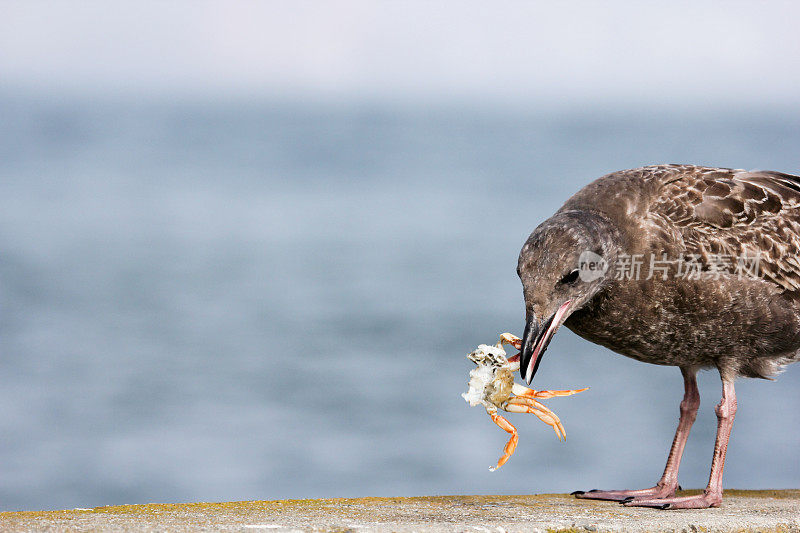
{"x":529,"y":405}
{"x":511,"y":445}
{"x":525,"y":392}
{"x":513,"y":340}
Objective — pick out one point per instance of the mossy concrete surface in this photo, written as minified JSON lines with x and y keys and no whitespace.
{"x":765,"y":510}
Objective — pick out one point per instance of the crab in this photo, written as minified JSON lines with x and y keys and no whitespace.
{"x":492,"y":385}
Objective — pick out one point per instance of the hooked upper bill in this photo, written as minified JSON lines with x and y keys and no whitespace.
{"x":535,"y":341}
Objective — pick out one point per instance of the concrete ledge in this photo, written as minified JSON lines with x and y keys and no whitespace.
{"x":765,"y":510}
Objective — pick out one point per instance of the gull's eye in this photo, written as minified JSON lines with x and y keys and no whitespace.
{"x":570,"y":278}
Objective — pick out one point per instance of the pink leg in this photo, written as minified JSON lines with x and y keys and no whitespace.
{"x":712,"y":496}
{"x":668,"y":483}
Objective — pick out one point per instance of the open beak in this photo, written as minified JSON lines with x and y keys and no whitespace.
{"x":535,"y":340}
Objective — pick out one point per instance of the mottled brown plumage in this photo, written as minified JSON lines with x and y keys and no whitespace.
{"x":683,"y":218}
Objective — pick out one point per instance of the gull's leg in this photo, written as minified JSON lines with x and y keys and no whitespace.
{"x":668,"y":483}
{"x":511,"y":445}
{"x":712,"y":496}
{"x":520,"y":404}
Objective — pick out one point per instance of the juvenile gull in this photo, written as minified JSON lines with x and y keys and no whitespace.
{"x":676,"y":265}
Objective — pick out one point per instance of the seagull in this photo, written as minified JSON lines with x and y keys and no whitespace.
{"x":677,"y":265}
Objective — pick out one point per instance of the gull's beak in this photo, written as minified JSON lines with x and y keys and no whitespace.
{"x":535,"y":340}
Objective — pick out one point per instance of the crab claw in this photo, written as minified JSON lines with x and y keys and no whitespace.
{"x":513,"y":340}
{"x":510,"y":338}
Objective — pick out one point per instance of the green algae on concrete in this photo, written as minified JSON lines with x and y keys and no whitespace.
{"x":767,"y":510}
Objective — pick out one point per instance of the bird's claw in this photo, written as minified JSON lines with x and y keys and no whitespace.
{"x":623,"y":496}
{"x":700,"y":501}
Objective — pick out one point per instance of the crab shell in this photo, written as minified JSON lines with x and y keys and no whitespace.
{"x":491,"y":382}
{"x":499,"y":389}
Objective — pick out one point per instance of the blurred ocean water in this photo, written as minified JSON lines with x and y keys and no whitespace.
{"x":252,"y":301}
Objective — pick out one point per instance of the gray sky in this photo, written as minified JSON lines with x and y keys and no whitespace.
{"x":690,"y":53}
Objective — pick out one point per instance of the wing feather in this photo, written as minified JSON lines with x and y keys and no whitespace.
{"x":707,"y":211}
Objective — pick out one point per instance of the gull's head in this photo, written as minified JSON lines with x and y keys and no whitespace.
{"x":563,"y":264}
